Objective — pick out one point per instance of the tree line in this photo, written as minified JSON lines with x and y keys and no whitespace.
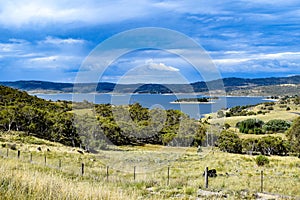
{"x":228,"y":141}
{"x":44,"y":119}
{"x":109,"y":124}
{"x":257,"y":126}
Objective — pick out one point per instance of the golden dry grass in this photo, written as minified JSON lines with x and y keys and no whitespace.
{"x":278,"y":112}
{"x":20,"y":179}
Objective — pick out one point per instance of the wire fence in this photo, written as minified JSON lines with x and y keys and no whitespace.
{"x":254,"y":180}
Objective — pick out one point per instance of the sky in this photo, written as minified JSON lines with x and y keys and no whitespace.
{"x":49,"y":40}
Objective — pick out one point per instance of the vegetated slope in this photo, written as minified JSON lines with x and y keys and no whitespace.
{"x":39,"y":85}
{"x":271,"y":90}
{"x":230,"y":84}
{"x":44,"y":119}
{"x":263,"y":128}
{"x":105,"y":124}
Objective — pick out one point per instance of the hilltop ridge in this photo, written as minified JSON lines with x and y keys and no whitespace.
{"x":232,"y":85}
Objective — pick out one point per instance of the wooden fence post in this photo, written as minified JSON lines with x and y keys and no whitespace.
{"x":206,"y":177}
{"x":30,"y":157}
{"x":59,"y":164}
{"x":7,"y":152}
{"x":168,"y":182}
{"x":82,"y":169}
{"x":45,"y":159}
{"x":19,"y":153}
{"x":134,"y":172}
{"x":107,"y":167}
{"x":261,"y":181}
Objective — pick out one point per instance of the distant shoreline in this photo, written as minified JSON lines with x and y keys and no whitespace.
{"x":266,"y":99}
{"x":186,"y":102}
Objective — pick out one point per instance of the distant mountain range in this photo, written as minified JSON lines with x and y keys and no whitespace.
{"x":230,"y":84}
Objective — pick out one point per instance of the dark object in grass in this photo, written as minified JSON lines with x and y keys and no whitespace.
{"x":79,"y":151}
{"x":211,"y":173}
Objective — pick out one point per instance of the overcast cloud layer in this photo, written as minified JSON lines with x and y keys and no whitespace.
{"x":42,"y":40}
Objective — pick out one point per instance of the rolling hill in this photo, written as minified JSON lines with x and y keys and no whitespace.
{"x":231,"y":85}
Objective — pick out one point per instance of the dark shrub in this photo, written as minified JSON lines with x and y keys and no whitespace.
{"x":262,"y":160}
{"x":249,"y":124}
{"x":229,"y":142}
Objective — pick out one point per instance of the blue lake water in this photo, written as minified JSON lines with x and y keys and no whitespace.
{"x":159,"y":100}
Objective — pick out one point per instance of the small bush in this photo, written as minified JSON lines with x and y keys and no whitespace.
{"x":270,"y":108}
{"x":12,"y":146}
{"x":226,"y":126}
{"x":220,"y":114}
{"x":262,"y":160}
{"x":258,"y":131}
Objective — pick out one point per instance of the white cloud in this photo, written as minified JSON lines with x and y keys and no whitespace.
{"x":147,"y":72}
{"x":193,"y":7}
{"x":281,"y":55}
{"x":66,"y":54}
{"x":236,"y":57}
{"x":247,"y":62}
{"x":14,"y":46}
{"x":229,"y":61}
{"x":19,"y":13}
{"x":62,"y":62}
{"x":160,"y":66}
{"x":59,"y":41}
{"x":44,"y":59}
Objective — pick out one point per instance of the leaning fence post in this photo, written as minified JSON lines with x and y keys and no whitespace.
{"x":206,"y":177}
{"x":261,"y":181}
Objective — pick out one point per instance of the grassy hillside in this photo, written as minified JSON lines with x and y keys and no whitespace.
{"x":276,"y":111}
{"x":21,"y":179}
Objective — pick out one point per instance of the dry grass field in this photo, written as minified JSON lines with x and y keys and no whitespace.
{"x":238,"y":176}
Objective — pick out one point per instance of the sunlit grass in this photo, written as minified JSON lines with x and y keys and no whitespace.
{"x":20,"y":179}
{"x":278,"y":112}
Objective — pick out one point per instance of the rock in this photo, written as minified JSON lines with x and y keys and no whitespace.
{"x":267,"y":196}
{"x":209,"y":194}
{"x":79,"y":151}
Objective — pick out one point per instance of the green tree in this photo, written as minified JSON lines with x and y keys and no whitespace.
{"x":220,"y":114}
{"x":249,"y":125}
{"x":8,"y":117}
{"x":270,"y":145}
{"x":293,"y":135}
{"x":276,"y":125}
{"x":229,"y":142}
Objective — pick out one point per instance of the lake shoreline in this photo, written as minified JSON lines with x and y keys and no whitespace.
{"x":186,"y":102}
